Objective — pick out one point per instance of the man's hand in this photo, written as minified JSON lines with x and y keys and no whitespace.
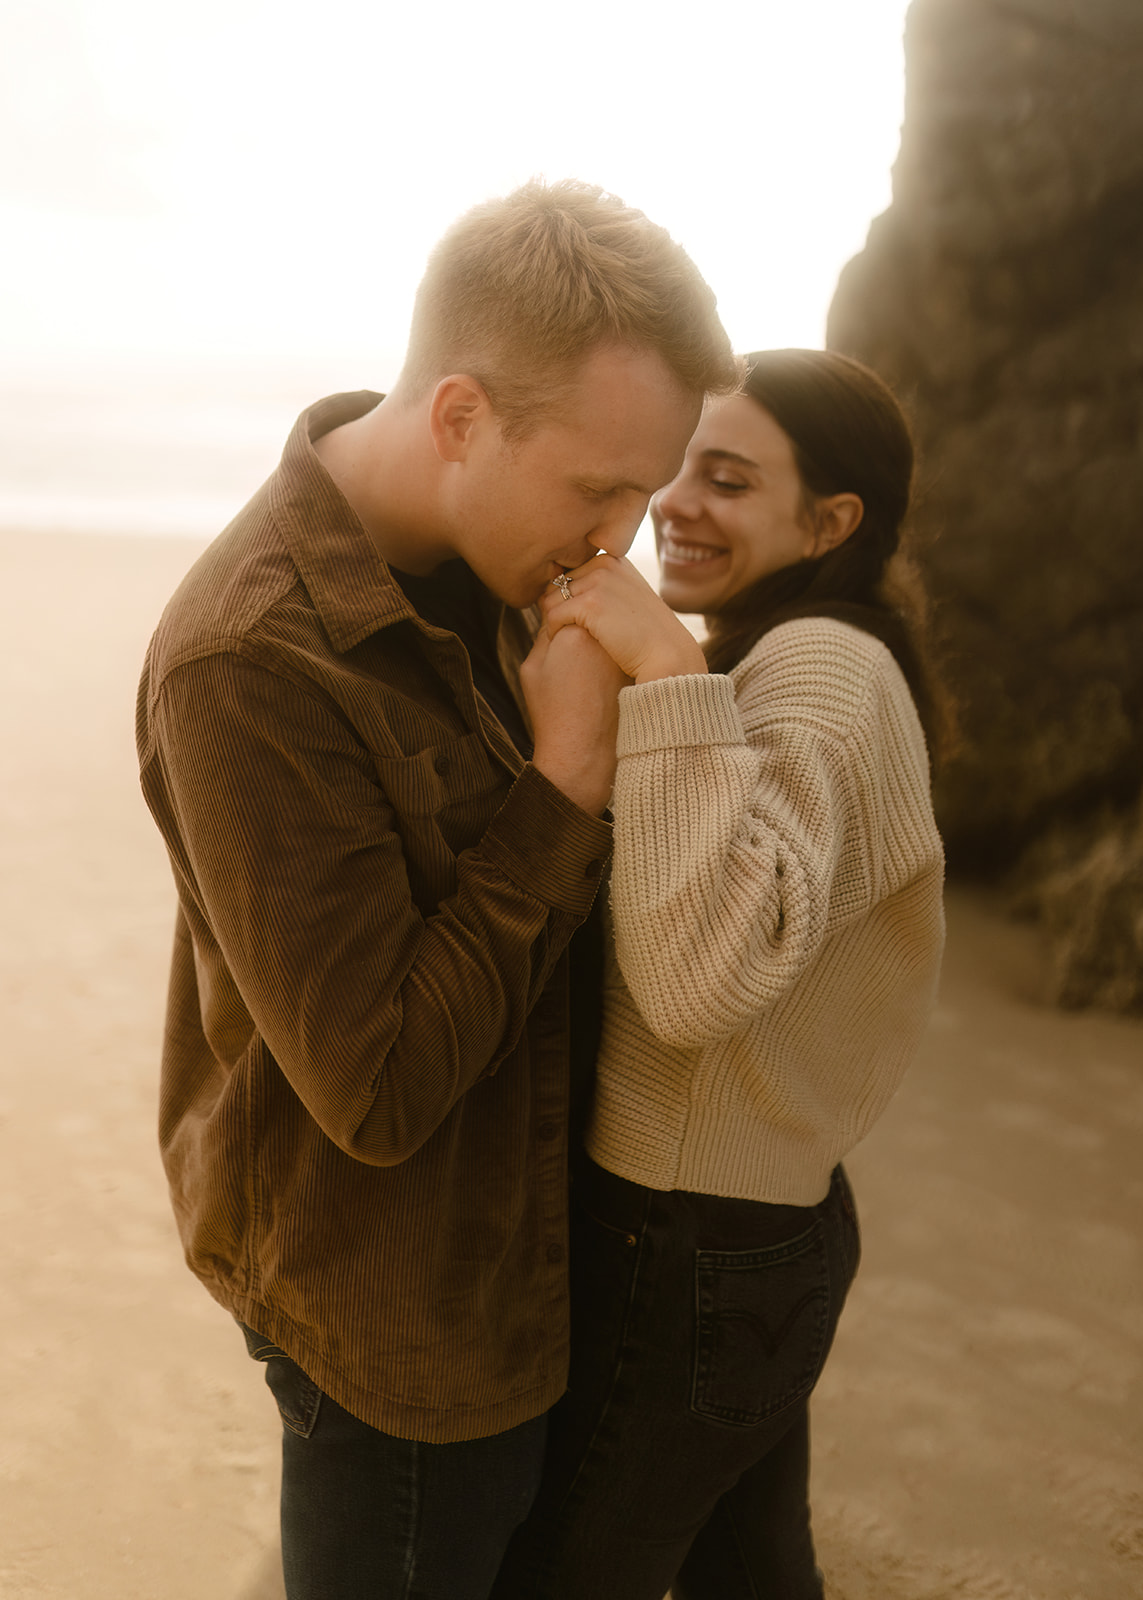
{"x":572,"y":689}
{"x":612,"y":600}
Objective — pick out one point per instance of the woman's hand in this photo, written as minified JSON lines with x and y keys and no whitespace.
{"x":612,"y":601}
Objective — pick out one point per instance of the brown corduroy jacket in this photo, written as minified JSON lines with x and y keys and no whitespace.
{"x":363,"y":1112}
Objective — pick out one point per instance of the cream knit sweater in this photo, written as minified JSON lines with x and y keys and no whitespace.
{"x":776,"y":900}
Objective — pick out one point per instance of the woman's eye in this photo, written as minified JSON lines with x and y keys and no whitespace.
{"x":726,"y":485}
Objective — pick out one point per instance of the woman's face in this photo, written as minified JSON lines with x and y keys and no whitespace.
{"x":734,"y":514}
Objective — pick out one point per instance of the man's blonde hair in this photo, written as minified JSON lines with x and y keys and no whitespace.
{"x":520,"y":290}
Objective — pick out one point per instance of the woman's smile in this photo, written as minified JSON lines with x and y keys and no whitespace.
{"x":739,"y":482}
{"x":687,"y":553}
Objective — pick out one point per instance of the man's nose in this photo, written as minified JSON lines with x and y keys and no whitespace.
{"x":617,"y":534}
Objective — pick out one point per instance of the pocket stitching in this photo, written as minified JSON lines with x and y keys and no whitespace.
{"x":310,"y":1394}
{"x":709,"y":1263}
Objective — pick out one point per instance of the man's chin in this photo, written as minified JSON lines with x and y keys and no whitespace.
{"x":509,"y":593}
{"x":524,"y":597}
{"x":520,"y":593}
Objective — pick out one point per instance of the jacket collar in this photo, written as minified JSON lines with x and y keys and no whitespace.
{"x":345,"y":574}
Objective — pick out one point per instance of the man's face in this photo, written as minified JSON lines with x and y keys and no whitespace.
{"x":524,"y":511}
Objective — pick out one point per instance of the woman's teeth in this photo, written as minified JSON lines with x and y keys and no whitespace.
{"x":691,"y":554}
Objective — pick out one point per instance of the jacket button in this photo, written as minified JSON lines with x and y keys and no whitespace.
{"x":441,"y":765}
{"x":555,"y":1253}
{"x":548,"y":1130}
{"x":592,"y":869}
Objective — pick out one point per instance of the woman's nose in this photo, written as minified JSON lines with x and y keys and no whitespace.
{"x":677,"y":502}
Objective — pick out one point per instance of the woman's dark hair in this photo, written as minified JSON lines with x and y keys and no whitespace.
{"x":849,"y":436}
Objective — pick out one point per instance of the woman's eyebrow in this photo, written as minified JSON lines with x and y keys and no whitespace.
{"x":728,"y":455}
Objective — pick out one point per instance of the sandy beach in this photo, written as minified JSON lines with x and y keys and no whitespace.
{"x":979,"y":1431}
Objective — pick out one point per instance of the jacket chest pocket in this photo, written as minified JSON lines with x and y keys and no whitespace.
{"x":442,"y":798}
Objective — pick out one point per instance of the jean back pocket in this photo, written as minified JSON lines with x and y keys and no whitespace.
{"x":763,"y":1327}
{"x":298,"y":1397}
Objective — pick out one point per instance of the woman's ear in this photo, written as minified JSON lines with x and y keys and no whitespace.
{"x":835,"y":518}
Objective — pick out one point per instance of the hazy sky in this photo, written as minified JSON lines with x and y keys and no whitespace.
{"x":244,"y":178}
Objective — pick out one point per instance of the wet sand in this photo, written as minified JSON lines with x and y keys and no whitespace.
{"x":979,"y":1430}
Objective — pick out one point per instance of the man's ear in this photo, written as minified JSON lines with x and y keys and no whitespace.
{"x":835,"y":518}
{"x":459,"y":405}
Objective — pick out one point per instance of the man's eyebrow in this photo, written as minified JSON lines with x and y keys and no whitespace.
{"x":613,"y":486}
{"x":728,"y":455}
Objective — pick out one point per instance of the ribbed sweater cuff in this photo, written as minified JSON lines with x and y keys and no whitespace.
{"x":693,"y":708}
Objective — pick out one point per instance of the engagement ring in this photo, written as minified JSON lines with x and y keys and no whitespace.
{"x":563,"y":585}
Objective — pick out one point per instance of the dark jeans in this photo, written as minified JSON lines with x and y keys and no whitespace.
{"x":680,"y":1454}
{"x":366,"y":1516}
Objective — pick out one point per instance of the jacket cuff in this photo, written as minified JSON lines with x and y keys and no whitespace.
{"x":690,"y":709}
{"x":547,"y":845}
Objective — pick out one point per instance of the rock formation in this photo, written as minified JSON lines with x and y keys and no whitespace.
{"x":1002,"y":296}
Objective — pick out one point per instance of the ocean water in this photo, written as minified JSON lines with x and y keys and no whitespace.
{"x":155,"y":451}
{"x":142,"y":450}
